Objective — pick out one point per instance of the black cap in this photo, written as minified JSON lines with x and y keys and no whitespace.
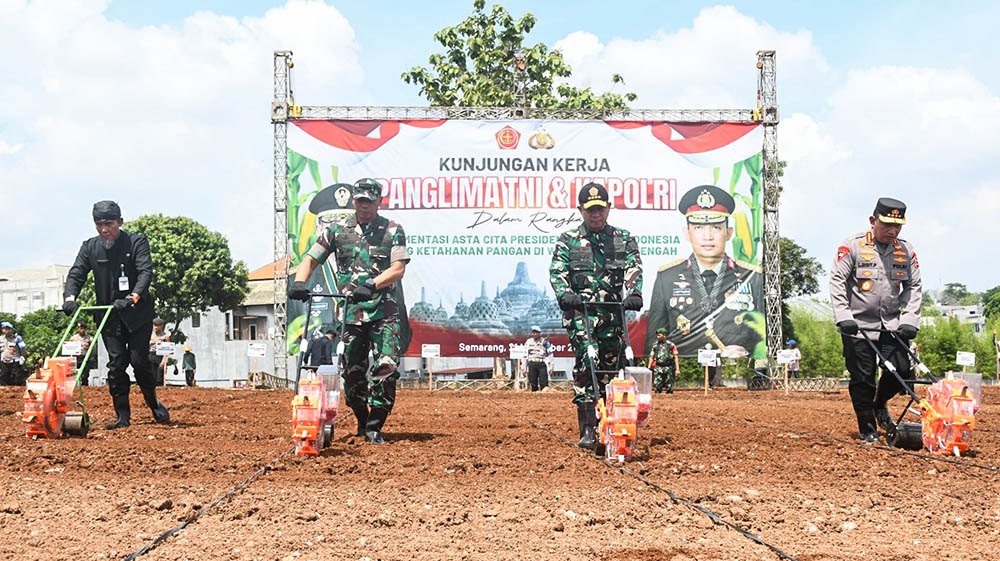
{"x":890,"y":211}
{"x":107,"y":210}
{"x":593,"y":194}
{"x":333,"y":197}
{"x":706,"y":204}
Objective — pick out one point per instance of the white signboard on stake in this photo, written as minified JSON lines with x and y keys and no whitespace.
{"x":428,"y":350}
{"x":518,"y":351}
{"x":72,"y":348}
{"x":256,"y":350}
{"x":963,"y":358}
{"x":707,"y":357}
{"x":786,"y":355}
{"x":165,"y":349}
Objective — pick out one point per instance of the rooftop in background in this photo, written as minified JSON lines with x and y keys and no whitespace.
{"x":39,"y":274}
{"x":266,"y":272}
{"x":819,"y":309}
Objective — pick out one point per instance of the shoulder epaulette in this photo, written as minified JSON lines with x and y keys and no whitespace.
{"x":746,"y":265}
{"x":672,"y":263}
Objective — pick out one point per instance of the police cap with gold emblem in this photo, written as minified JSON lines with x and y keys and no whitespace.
{"x":332,"y":197}
{"x":593,"y":194}
{"x":890,"y":211}
{"x":368,"y":188}
{"x":706,"y":204}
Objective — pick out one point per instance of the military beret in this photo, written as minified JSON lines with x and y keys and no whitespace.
{"x":706,"y":204}
{"x":593,"y":194}
{"x":107,"y":210}
{"x":332,"y":197}
{"x":661,"y":331}
{"x":890,"y":211}
{"x":368,"y":188}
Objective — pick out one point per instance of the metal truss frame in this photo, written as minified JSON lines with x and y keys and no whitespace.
{"x":283,"y":108}
{"x":767,"y":108}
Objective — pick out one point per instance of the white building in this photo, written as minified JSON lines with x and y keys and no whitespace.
{"x":23,"y":291}
{"x":966,"y":314}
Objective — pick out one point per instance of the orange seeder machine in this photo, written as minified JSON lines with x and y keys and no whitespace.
{"x":947,"y":414}
{"x":49,"y":391}
{"x":317,"y":396}
{"x":628,"y":401}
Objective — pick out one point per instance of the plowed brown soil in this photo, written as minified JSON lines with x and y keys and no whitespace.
{"x":487,"y":476}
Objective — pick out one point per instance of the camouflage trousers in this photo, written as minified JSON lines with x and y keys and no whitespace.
{"x":606,"y":345}
{"x":663,"y":378}
{"x":381,"y":338}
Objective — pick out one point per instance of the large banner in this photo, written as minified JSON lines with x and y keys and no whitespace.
{"x":483,"y":203}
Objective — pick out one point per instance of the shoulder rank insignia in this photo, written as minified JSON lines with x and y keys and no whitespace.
{"x":669,"y":265}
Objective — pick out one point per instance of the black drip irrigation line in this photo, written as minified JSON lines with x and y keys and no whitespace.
{"x":715,"y":518}
{"x":263,"y":469}
{"x":845,"y":441}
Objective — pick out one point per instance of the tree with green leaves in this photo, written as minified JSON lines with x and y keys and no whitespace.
{"x":954,"y":293}
{"x":799,"y":277}
{"x":193,"y":269}
{"x":991,"y":302}
{"x":485,"y":60}
{"x":41,"y":331}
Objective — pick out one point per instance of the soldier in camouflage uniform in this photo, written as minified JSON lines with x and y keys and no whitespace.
{"x":370,"y":253}
{"x":595,"y":262}
{"x":663,"y":362}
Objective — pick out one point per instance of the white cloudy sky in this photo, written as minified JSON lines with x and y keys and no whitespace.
{"x":164,"y":106}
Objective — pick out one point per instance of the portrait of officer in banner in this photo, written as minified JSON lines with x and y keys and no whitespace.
{"x":708,"y":300}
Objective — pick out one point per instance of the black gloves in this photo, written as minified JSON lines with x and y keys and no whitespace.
{"x":907,"y":332}
{"x":69,"y":308}
{"x":121,"y":303}
{"x":632,"y":302}
{"x":299,"y":291}
{"x":364,"y":292}
{"x":570,"y":300}
{"x":848,"y":327}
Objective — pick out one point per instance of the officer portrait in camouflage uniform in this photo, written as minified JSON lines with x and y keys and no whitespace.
{"x":663,"y":362}
{"x":708,"y":300}
{"x":875,"y":283}
{"x":595,"y":262}
{"x":370,"y":254}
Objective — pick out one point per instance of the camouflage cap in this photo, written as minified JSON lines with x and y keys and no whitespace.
{"x":367,"y":188}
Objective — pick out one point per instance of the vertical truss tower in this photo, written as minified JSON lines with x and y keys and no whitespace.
{"x":279,"y":118}
{"x":767,"y":106}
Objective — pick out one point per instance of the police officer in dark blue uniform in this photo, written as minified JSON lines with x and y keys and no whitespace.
{"x":123,"y":271}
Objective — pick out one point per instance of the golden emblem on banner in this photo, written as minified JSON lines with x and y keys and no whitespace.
{"x":541,"y":140}
{"x":706,"y":200}
{"x":342,"y":195}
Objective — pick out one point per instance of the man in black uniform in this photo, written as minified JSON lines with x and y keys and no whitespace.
{"x":123,"y":271}
{"x":707,"y":300}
